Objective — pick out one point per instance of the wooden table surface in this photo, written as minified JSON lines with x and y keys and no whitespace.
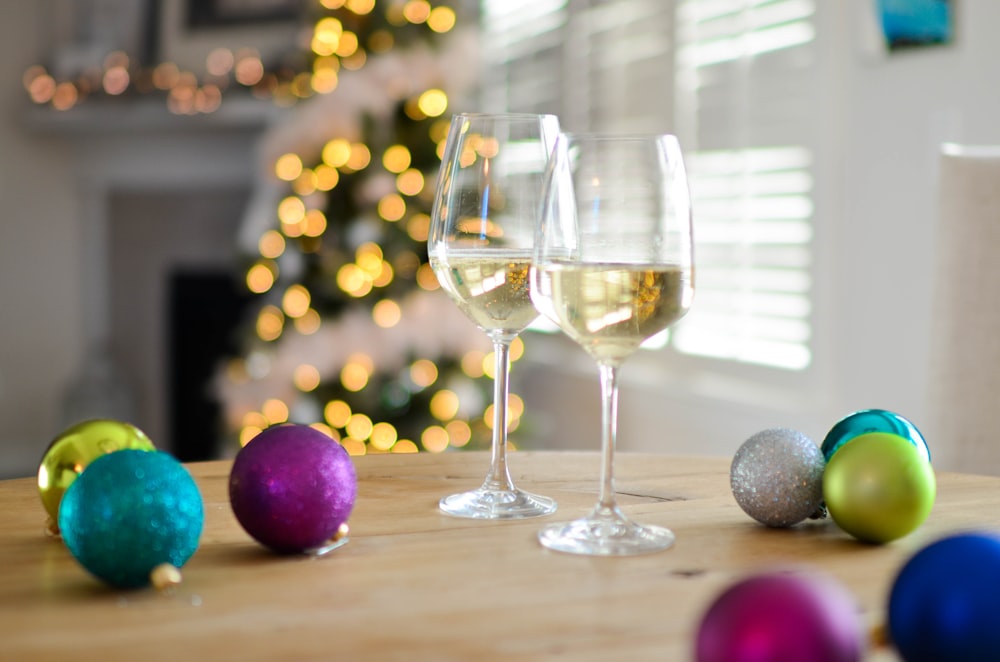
{"x":417,"y":585}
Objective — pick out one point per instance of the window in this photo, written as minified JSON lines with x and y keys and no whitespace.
{"x":598,"y":65}
{"x":735,"y":79}
{"x":745,"y":91}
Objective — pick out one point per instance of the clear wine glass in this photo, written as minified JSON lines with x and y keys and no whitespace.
{"x":482,"y":228}
{"x":612,"y":266}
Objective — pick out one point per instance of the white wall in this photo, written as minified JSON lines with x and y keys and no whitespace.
{"x":40,"y":262}
{"x":58,"y":175}
{"x":897,"y":112}
{"x":877,"y":190}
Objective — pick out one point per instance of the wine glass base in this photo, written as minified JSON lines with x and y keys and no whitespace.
{"x":486,"y":503}
{"x":605,"y":537}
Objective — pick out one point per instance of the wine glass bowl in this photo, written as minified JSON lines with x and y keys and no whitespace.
{"x":612,"y":267}
{"x":483,"y":223}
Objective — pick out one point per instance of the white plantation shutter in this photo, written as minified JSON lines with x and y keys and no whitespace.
{"x":522,"y":45}
{"x":747,"y":95}
{"x":735,"y":79}
{"x":599,"y":65}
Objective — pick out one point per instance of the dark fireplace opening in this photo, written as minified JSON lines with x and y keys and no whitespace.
{"x":205,"y":311}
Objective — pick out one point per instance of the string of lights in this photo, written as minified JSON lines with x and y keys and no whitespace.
{"x":352,"y":335}
{"x":334,"y":45}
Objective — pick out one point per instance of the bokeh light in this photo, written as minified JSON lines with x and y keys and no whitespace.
{"x":423,"y":372}
{"x":337,"y":413}
{"x":261,"y":276}
{"x":441,"y":19}
{"x":433,"y":102}
{"x":275,"y":411}
{"x":270,"y":323}
{"x":387,"y":313}
{"x":306,"y":377}
{"x":434,"y":439}
{"x":288,"y":167}
{"x":296,"y":300}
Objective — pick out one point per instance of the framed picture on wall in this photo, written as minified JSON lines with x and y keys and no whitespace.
{"x":190,"y":29}
{"x":220,"y":13}
{"x":908,"y":24}
{"x":81,"y":33}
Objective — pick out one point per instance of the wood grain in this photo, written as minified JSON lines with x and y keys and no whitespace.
{"x":418,"y":585}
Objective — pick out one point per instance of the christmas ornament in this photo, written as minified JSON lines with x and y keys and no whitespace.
{"x":73,"y":450}
{"x":292,"y":488}
{"x":872,"y":420}
{"x":781,"y":616}
{"x":777,"y":477}
{"x":129,"y":513}
{"x":944,"y":602}
{"x":879,"y":487}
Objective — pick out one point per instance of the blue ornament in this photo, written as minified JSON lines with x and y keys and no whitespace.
{"x":872,"y":420}
{"x":129,"y":512}
{"x":944,"y":603}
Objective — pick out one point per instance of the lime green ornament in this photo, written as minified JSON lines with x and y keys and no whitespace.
{"x":73,"y":451}
{"x":879,"y":487}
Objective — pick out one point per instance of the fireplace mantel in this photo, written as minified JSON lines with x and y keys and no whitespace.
{"x":135,"y":145}
{"x":135,"y":154}
{"x":140,"y":116}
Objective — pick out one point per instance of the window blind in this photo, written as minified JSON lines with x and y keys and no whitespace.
{"x":598,"y":65}
{"x":735,"y":80}
{"x":746,"y":94}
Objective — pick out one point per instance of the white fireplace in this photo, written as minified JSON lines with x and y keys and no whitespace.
{"x":161,"y":194}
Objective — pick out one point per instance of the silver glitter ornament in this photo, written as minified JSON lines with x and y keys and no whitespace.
{"x":777,"y":477}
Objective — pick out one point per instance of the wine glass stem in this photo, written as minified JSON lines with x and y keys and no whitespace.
{"x":607,"y":504}
{"x":498,"y":477}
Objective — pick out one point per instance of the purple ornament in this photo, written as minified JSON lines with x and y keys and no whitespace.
{"x":292,"y":487}
{"x":781,"y":616}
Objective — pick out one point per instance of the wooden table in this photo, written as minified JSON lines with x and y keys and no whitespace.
{"x":417,"y":585}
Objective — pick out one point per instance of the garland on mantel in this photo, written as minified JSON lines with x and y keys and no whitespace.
{"x":336,"y":36}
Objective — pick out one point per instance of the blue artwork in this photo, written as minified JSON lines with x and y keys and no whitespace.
{"x":910,"y":23}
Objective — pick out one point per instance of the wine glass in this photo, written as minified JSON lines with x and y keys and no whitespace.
{"x":482,"y":228}
{"x":612,"y":266}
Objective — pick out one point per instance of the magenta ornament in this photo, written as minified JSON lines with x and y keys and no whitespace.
{"x":292,"y":488}
{"x":781,"y":617}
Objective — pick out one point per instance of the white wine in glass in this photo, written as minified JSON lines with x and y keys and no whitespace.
{"x":483,"y":223}
{"x":612,"y":266}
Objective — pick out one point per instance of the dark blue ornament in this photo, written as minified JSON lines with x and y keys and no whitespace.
{"x":945,"y":600}
{"x":872,"y":420}
{"x":129,"y":512}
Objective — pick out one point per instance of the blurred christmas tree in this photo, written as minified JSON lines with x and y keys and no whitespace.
{"x":352,"y":334}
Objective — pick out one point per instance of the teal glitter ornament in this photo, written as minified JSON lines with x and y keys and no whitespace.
{"x":872,"y":420}
{"x":129,"y":513}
